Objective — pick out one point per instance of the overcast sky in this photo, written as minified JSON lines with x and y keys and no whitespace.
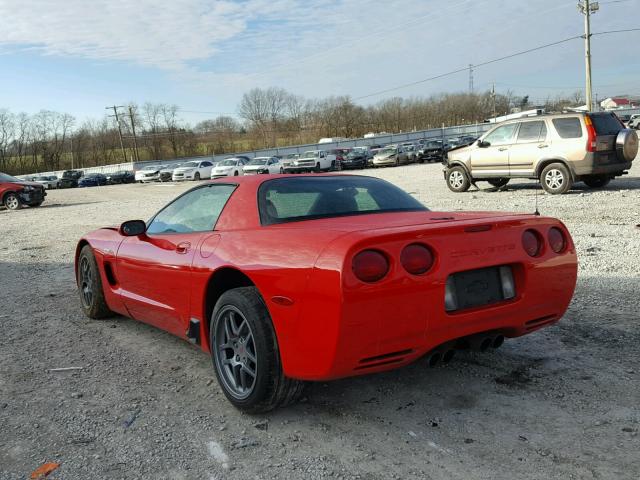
{"x":78,"y":56}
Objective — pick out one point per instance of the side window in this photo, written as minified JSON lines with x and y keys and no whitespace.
{"x":195,"y":211}
{"x":206,"y":164}
{"x":532,"y":132}
{"x":568,"y":127}
{"x":502,"y":135}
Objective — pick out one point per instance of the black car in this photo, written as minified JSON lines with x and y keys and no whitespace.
{"x":92,"y":180}
{"x":123,"y":176}
{"x":355,"y":159}
{"x":70,"y":178}
{"x":431,"y":151}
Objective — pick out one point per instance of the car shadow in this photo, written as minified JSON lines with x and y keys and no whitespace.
{"x":617,"y":184}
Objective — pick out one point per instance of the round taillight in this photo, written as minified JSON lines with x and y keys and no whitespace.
{"x":531,"y":243}
{"x":557,"y":242}
{"x":370,"y":266}
{"x":416,"y":259}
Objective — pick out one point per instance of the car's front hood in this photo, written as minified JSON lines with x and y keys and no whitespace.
{"x":250,"y":168}
{"x":183,"y":170}
{"x":222,"y":169}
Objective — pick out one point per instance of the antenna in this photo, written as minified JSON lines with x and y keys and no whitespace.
{"x":537,"y":212}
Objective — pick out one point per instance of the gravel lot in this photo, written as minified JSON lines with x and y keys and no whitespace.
{"x":559,"y":404}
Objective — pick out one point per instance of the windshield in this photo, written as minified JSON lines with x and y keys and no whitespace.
{"x":8,"y":178}
{"x":228,"y":163}
{"x":307,"y":198}
{"x":258,"y":161}
{"x":151,"y":167}
{"x":310,"y":154}
{"x":42,"y":179}
{"x":387,"y":151}
{"x":189,"y":164}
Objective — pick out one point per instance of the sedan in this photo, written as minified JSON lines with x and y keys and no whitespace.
{"x":299,"y":278}
{"x":391,"y":155}
{"x":196,"y":170}
{"x":93,"y":180}
{"x":48,"y":182}
{"x":263,"y":165}
{"x":230,"y":167}
{"x":123,"y":176}
{"x":149,"y":173}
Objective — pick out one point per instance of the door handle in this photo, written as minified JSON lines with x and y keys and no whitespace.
{"x":543,"y":145}
{"x":502,"y":149}
{"x":183,"y":247}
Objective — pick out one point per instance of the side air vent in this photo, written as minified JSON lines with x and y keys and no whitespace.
{"x":108,"y":271}
{"x":539,"y":322}
{"x":385,"y":359}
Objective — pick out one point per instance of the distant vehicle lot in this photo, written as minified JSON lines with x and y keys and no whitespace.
{"x":517,"y":414}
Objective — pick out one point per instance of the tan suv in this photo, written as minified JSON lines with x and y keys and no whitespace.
{"x":558,"y":149}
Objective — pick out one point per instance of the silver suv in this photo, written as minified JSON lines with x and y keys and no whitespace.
{"x":558,"y":149}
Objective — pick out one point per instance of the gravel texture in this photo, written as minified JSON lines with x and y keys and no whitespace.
{"x":559,"y":404}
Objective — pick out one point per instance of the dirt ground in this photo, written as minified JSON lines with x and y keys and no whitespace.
{"x":562,"y":403}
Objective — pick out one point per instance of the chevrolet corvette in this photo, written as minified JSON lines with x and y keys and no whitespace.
{"x":284,"y":279}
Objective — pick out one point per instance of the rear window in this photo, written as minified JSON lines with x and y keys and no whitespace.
{"x":606,"y":124}
{"x":568,"y":127}
{"x":306,"y":198}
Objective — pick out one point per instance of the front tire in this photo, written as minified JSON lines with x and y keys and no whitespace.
{"x":596,"y":181}
{"x":196,"y":177}
{"x":245,"y":353}
{"x":555,"y":179}
{"x":12,"y":201}
{"x":92,"y":298}
{"x":457,"y":180}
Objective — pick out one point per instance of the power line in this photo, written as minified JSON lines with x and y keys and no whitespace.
{"x":459,"y":70}
{"x":617,"y":31}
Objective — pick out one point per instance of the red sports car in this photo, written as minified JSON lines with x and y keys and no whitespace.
{"x":287,"y":278}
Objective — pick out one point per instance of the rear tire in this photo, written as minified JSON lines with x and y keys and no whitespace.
{"x":458,"y":180}
{"x":555,"y":179}
{"x":89,"y":281}
{"x":245,"y":355}
{"x":596,"y":181}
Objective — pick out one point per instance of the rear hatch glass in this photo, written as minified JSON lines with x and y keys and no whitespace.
{"x":606,"y":124}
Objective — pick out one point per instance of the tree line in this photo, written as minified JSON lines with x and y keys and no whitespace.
{"x":267,"y":118}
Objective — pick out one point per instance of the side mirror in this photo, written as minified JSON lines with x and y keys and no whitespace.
{"x":133,"y":228}
{"x":483,"y":144}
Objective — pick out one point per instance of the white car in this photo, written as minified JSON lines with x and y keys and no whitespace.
{"x":263,"y":165}
{"x":229,"y":167}
{"x":195,"y":170}
{"x":149,"y":173}
{"x":48,"y":182}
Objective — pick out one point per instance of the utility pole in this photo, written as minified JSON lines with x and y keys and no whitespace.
{"x":493,"y":97}
{"x":587,"y":8}
{"x":115,"y":114}
{"x":133,"y":129}
{"x":71,"y":140}
{"x":470,"y":78}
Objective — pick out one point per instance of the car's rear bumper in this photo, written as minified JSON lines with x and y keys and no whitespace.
{"x":366,"y":328}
